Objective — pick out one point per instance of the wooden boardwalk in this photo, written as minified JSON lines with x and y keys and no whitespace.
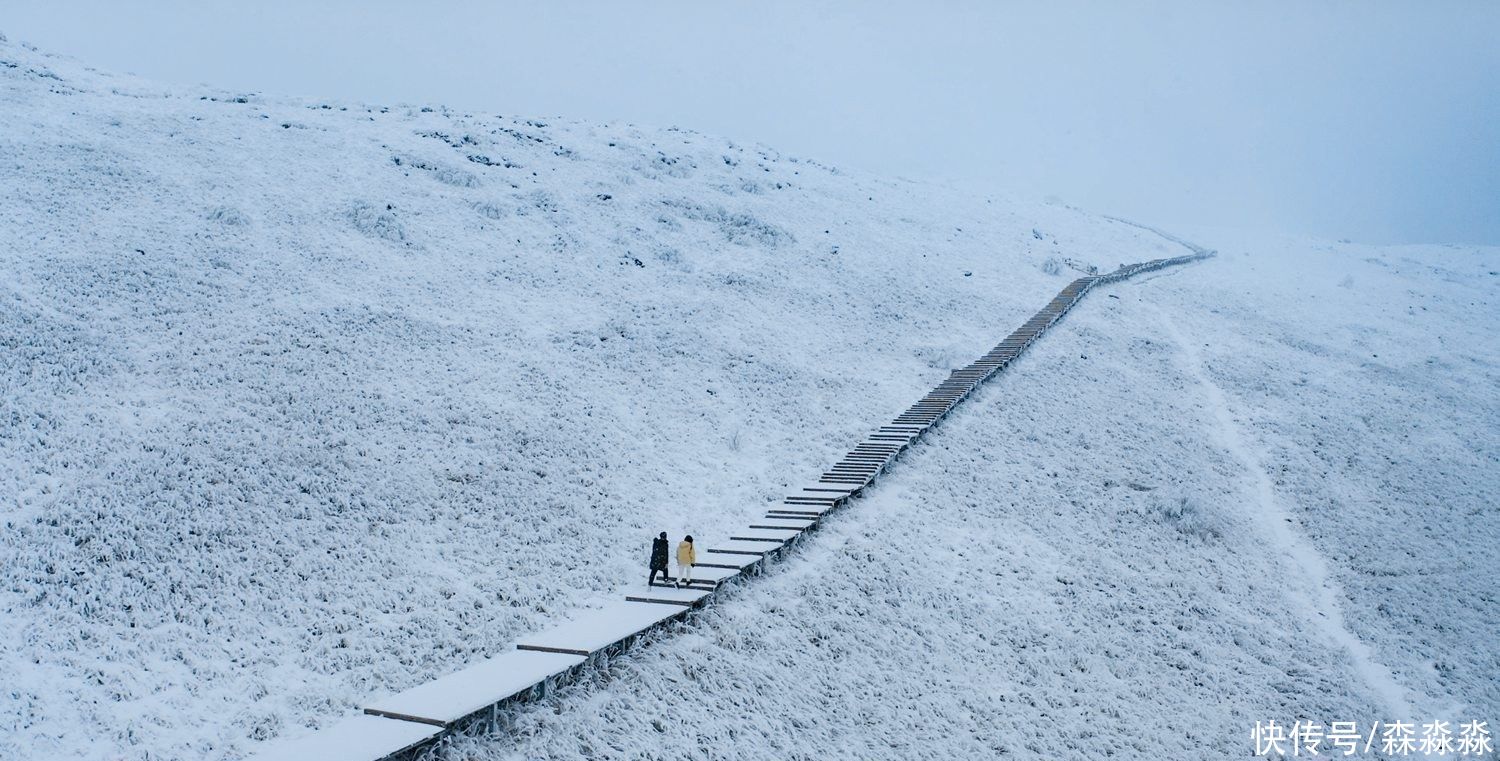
{"x":402,"y":726}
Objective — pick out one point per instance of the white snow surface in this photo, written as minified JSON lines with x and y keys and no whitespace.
{"x":1261,"y":487}
{"x":309,"y":402}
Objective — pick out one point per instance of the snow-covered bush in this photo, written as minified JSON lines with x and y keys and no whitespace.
{"x":739,"y":227}
{"x":376,"y":222}
{"x":1190,"y":517}
{"x":229,"y":215}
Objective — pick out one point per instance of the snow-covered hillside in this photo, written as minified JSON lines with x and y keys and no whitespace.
{"x":309,"y":401}
{"x":1260,"y":488}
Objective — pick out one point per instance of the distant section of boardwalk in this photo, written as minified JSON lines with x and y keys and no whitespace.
{"x":405,"y":725}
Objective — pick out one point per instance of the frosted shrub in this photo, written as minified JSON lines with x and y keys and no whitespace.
{"x":443,"y":173}
{"x":1189,"y":517}
{"x":377,"y":223}
{"x":489,"y":210}
{"x":228,"y":215}
{"x":736,"y":227}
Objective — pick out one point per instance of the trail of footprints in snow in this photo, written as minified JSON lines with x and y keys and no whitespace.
{"x":404,"y":725}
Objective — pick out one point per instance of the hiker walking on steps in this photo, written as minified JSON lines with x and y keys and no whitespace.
{"x":686,"y":557}
{"x":658,"y":559}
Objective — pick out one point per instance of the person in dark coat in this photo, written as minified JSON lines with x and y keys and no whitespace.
{"x":658,"y":559}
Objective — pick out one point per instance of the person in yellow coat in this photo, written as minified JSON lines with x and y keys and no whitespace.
{"x":686,"y":557}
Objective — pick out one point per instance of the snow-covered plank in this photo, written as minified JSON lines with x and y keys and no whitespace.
{"x":735,"y":562}
{"x":816,"y":498}
{"x":857,"y":481}
{"x":685,"y":596}
{"x":833,"y":478}
{"x":848,"y":479}
{"x":777,"y":534}
{"x":767,"y":535}
{"x":742,"y":549}
{"x":829,"y":488}
{"x":715,"y":575}
{"x":813,"y":508}
{"x":776,"y":521}
{"x":859,"y":466}
{"x":703,"y":584}
{"x":704,"y":578}
{"x":854,"y":458}
{"x":449,"y":699}
{"x":357,"y":738}
{"x":863,"y":475}
{"x":593,"y":630}
{"x":810,"y":512}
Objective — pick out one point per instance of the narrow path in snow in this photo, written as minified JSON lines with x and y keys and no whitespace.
{"x":1312,"y":586}
{"x":402,"y":726}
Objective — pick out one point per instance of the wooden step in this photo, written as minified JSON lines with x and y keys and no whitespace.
{"x":808,"y":500}
{"x":357,"y":738}
{"x":685,"y":597}
{"x":840,"y":491}
{"x":475,"y":689}
{"x":776,"y":535}
{"x":808,"y":512}
{"x":706,"y":585}
{"x":755,"y":549}
{"x":591,"y":631}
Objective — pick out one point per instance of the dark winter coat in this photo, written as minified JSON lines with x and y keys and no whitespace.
{"x":659,"y":553}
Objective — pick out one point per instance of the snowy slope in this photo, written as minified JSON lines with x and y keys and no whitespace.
{"x":1260,"y":488}
{"x":305,"y":401}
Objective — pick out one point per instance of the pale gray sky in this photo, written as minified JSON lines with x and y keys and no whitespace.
{"x":1376,"y":121}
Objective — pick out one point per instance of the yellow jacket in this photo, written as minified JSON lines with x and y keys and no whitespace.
{"x":686,"y":555}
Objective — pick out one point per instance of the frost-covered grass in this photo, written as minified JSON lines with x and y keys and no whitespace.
{"x":305,"y":402}
{"x":1080,"y":563}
